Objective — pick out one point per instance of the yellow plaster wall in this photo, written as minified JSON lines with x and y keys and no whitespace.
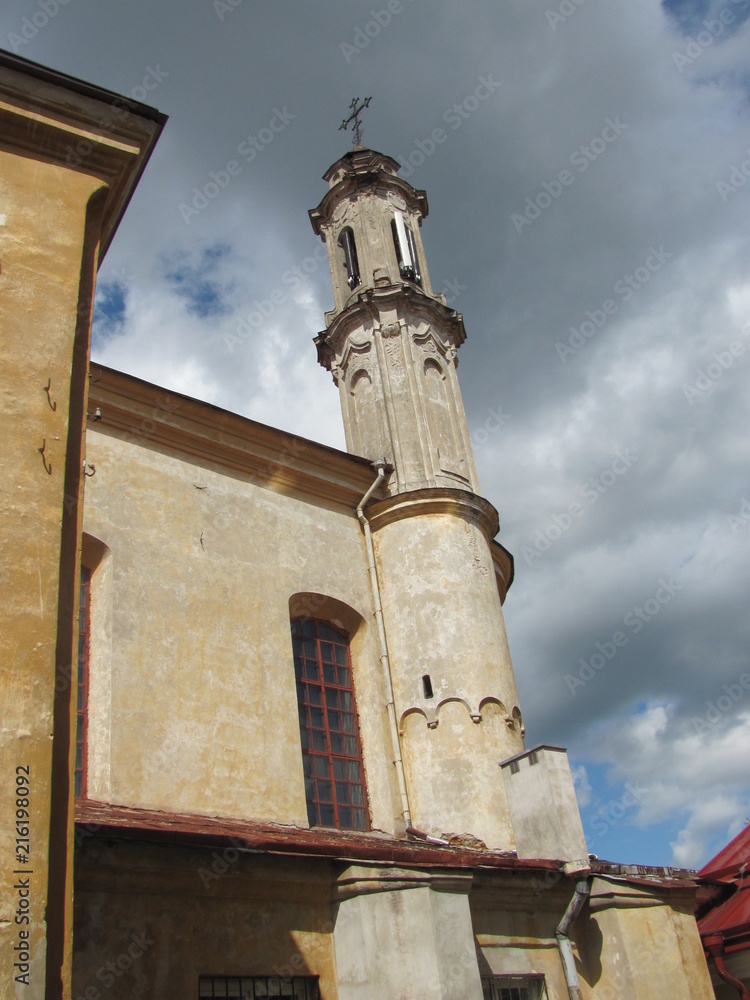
{"x":653,"y":949}
{"x":151,"y":920}
{"x":453,"y":773}
{"x":41,"y":246}
{"x":197,"y":685}
{"x":444,"y":616}
{"x":444,"y":619}
{"x":628,"y":941}
{"x":514,"y":920}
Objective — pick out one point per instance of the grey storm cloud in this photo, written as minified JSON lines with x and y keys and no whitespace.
{"x":587,"y":166}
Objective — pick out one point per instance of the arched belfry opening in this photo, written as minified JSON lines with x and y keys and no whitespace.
{"x":351,"y":261}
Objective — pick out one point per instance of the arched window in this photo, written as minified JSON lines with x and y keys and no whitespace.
{"x":331,"y":749}
{"x":346,"y":241}
{"x":406,"y":249}
{"x":84,"y":628}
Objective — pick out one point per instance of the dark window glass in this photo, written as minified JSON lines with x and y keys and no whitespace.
{"x":250,"y":987}
{"x":346,"y":241}
{"x":331,"y":749}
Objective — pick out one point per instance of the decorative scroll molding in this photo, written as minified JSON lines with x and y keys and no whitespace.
{"x":360,"y":347}
{"x":343,"y":213}
{"x":390,"y":330}
{"x":395,"y":356}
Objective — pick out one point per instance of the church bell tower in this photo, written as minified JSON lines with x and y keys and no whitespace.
{"x":391,"y":345}
{"x":390,"y":342}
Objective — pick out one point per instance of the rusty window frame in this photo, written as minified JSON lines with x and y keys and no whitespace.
{"x":82,"y":682}
{"x":250,"y":987}
{"x":529,"y":987}
{"x":335,"y":786}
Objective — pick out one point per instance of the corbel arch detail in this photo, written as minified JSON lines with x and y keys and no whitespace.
{"x":432,"y":717}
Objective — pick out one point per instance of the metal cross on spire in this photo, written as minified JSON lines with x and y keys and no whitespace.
{"x":354,"y":118}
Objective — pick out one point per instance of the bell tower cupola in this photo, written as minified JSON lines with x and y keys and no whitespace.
{"x":390,"y":342}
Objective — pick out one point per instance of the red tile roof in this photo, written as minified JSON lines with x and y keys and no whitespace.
{"x":730,"y":858}
{"x":730,"y":918}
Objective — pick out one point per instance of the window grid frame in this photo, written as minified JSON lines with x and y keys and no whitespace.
{"x":309,"y":754}
{"x":531,"y":986}
{"x":310,"y":987}
{"x":80,"y":771}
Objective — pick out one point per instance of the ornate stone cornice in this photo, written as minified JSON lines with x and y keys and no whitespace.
{"x":153,"y":417}
{"x":435,"y":500}
{"x":370,"y":303}
{"x":75,"y":125}
{"x":504,"y":568}
{"x":361,"y":880}
{"x":363,"y":168}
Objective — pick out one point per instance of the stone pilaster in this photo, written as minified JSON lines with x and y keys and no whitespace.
{"x":404,"y":933}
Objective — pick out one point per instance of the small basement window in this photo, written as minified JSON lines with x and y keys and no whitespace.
{"x":250,"y":987}
{"x":531,"y":987}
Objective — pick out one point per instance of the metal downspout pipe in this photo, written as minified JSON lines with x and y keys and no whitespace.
{"x":714,"y":945}
{"x":384,"y":662}
{"x":583,"y":890}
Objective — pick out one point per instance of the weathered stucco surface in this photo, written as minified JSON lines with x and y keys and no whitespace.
{"x":150,"y":920}
{"x":420,"y":920}
{"x":204,"y":534}
{"x":41,"y":264}
{"x":542,"y":805}
{"x":653,"y":949}
{"x":193,"y":700}
{"x":445,"y":622}
{"x":391,"y":343}
{"x":639,"y":943}
{"x":56,"y":215}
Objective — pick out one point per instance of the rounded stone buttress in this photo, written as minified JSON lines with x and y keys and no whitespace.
{"x":453,"y":683}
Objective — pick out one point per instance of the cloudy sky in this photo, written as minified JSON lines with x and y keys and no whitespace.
{"x":590,"y":218}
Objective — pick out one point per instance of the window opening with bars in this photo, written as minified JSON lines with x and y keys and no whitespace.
{"x":331,"y":749}
{"x":250,"y":987}
{"x":84,"y":628}
{"x":531,"y":987}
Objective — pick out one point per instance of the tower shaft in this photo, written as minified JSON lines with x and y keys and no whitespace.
{"x":391,"y":345}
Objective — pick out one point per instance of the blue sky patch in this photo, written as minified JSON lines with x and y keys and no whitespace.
{"x":198,"y":282}
{"x":690,"y":14}
{"x":609,"y":821}
{"x":110,"y":305}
